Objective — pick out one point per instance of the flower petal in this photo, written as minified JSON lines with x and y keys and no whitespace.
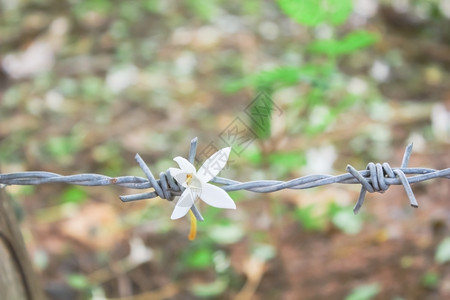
{"x":213,"y":165}
{"x":179,"y":175}
{"x":185,"y":165}
{"x":215,"y":196}
{"x":183,"y":205}
{"x":193,"y":182}
{"x":175,"y":171}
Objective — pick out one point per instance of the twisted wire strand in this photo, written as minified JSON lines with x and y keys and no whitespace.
{"x":375,"y":178}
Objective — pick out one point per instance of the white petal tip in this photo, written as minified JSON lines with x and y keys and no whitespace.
{"x":232,"y":207}
{"x":229,"y":204}
{"x":176,"y":216}
{"x":184,"y":164}
{"x":226,"y":206}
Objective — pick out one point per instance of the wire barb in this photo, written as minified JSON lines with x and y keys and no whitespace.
{"x":377,"y":175}
{"x":375,"y":178}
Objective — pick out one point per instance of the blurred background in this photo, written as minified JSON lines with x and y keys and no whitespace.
{"x":84,"y":85}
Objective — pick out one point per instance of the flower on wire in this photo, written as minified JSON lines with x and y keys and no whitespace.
{"x":196,"y":183}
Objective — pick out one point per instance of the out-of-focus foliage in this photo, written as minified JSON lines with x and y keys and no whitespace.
{"x":316,"y":217}
{"x":364,"y":292}
{"x":348,"y":44}
{"x":430,"y":280}
{"x":74,"y":194}
{"x":323,"y":79}
{"x":315,"y":12}
{"x":84,"y":85}
{"x":443,"y":251}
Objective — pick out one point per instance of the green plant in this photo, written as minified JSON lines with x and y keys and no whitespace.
{"x":73,"y":194}
{"x":81,"y":283}
{"x":311,"y":218}
{"x":442,"y":254}
{"x":315,"y":12}
{"x":324,"y":87}
{"x":430,"y":279}
{"x":364,"y":292}
{"x":314,"y":217}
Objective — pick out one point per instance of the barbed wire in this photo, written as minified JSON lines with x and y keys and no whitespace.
{"x":375,"y":178}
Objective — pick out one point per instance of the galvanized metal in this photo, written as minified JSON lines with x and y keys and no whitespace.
{"x":376,"y":178}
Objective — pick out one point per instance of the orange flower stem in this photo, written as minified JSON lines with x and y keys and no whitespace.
{"x":193,"y":231}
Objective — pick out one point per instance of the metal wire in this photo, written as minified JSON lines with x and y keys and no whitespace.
{"x":376,"y":178}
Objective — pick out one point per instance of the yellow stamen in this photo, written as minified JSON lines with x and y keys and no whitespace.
{"x":193,"y":231}
{"x":188,"y":178}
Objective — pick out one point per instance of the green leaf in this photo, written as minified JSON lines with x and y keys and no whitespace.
{"x":151,"y":5}
{"x":310,"y":218}
{"x":252,"y":155}
{"x":130,"y":11}
{"x":288,"y":160}
{"x":251,"y":7}
{"x":442,"y":254}
{"x":364,"y":292}
{"x":82,"y":8}
{"x":280,"y":77}
{"x":200,"y":258}
{"x":207,"y":290}
{"x":430,"y":279}
{"x":73,"y":194}
{"x":221,"y":261}
{"x":205,"y":10}
{"x":349,"y":44}
{"x":264,"y":252}
{"x":226,"y":234}
{"x":237,"y":195}
{"x":321,"y":117}
{"x":314,"y":12}
{"x":347,"y":221}
{"x":25,"y":190}
{"x":63,"y":146}
{"x":284,"y":75}
{"x":261,"y":111}
{"x":92,"y":87}
{"x":78,"y":281}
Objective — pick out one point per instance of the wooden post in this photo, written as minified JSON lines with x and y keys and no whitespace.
{"x":17,"y":278}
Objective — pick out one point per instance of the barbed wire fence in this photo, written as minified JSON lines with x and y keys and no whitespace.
{"x":375,"y":178}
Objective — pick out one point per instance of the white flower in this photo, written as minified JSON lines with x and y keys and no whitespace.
{"x":196,"y":183}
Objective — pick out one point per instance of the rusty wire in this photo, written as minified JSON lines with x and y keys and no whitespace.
{"x":376,"y":178}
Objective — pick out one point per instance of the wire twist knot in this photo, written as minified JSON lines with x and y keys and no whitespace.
{"x":376,"y":180}
{"x":166,"y":187}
